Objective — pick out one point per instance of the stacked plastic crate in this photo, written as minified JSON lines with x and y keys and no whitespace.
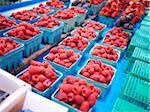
{"x":135,"y":94}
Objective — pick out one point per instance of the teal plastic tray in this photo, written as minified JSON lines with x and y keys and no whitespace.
{"x":102,"y":86}
{"x":139,"y":69}
{"x":143,"y":33}
{"x":137,"y":42}
{"x":146,"y":18}
{"x":136,"y":91}
{"x":141,"y":54}
{"x":125,"y":106}
{"x":145,"y":23}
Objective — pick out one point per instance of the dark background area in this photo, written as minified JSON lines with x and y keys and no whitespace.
{"x":8,"y":2}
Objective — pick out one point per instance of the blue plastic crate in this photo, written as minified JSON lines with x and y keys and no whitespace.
{"x":85,"y":50}
{"x":107,"y":20}
{"x":48,"y":92}
{"x":102,"y":86}
{"x":71,"y":70}
{"x":30,"y":21}
{"x":51,"y":35}
{"x":111,"y":62}
{"x":80,"y":18}
{"x":69,"y":24}
{"x":136,"y":91}
{"x":96,"y":8}
{"x":12,"y":59}
{"x":30,"y":45}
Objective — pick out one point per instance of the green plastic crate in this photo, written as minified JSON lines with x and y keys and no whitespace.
{"x":137,"y":42}
{"x":138,"y":69}
{"x":145,"y":23}
{"x":125,"y":106}
{"x":69,"y":24}
{"x":146,"y":18}
{"x":141,"y":54}
{"x":141,"y":42}
{"x":141,"y":70}
{"x":143,"y":33}
{"x":136,"y":91}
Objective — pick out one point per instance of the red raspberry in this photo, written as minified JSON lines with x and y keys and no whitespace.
{"x":35,"y":78}
{"x":79,"y":99}
{"x":42,"y":78}
{"x":39,"y":86}
{"x":71,"y":96}
{"x":84,"y":106}
{"x":47,"y":83}
{"x":67,"y":88}
{"x":62,"y":96}
{"x":91,"y":99}
{"x":86,"y":92}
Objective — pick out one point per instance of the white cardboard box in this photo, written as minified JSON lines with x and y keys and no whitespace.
{"x":21,"y":97}
{"x":37,"y":103}
{"x":17,"y":91}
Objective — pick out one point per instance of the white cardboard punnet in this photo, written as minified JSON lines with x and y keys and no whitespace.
{"x":37,"y":103}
